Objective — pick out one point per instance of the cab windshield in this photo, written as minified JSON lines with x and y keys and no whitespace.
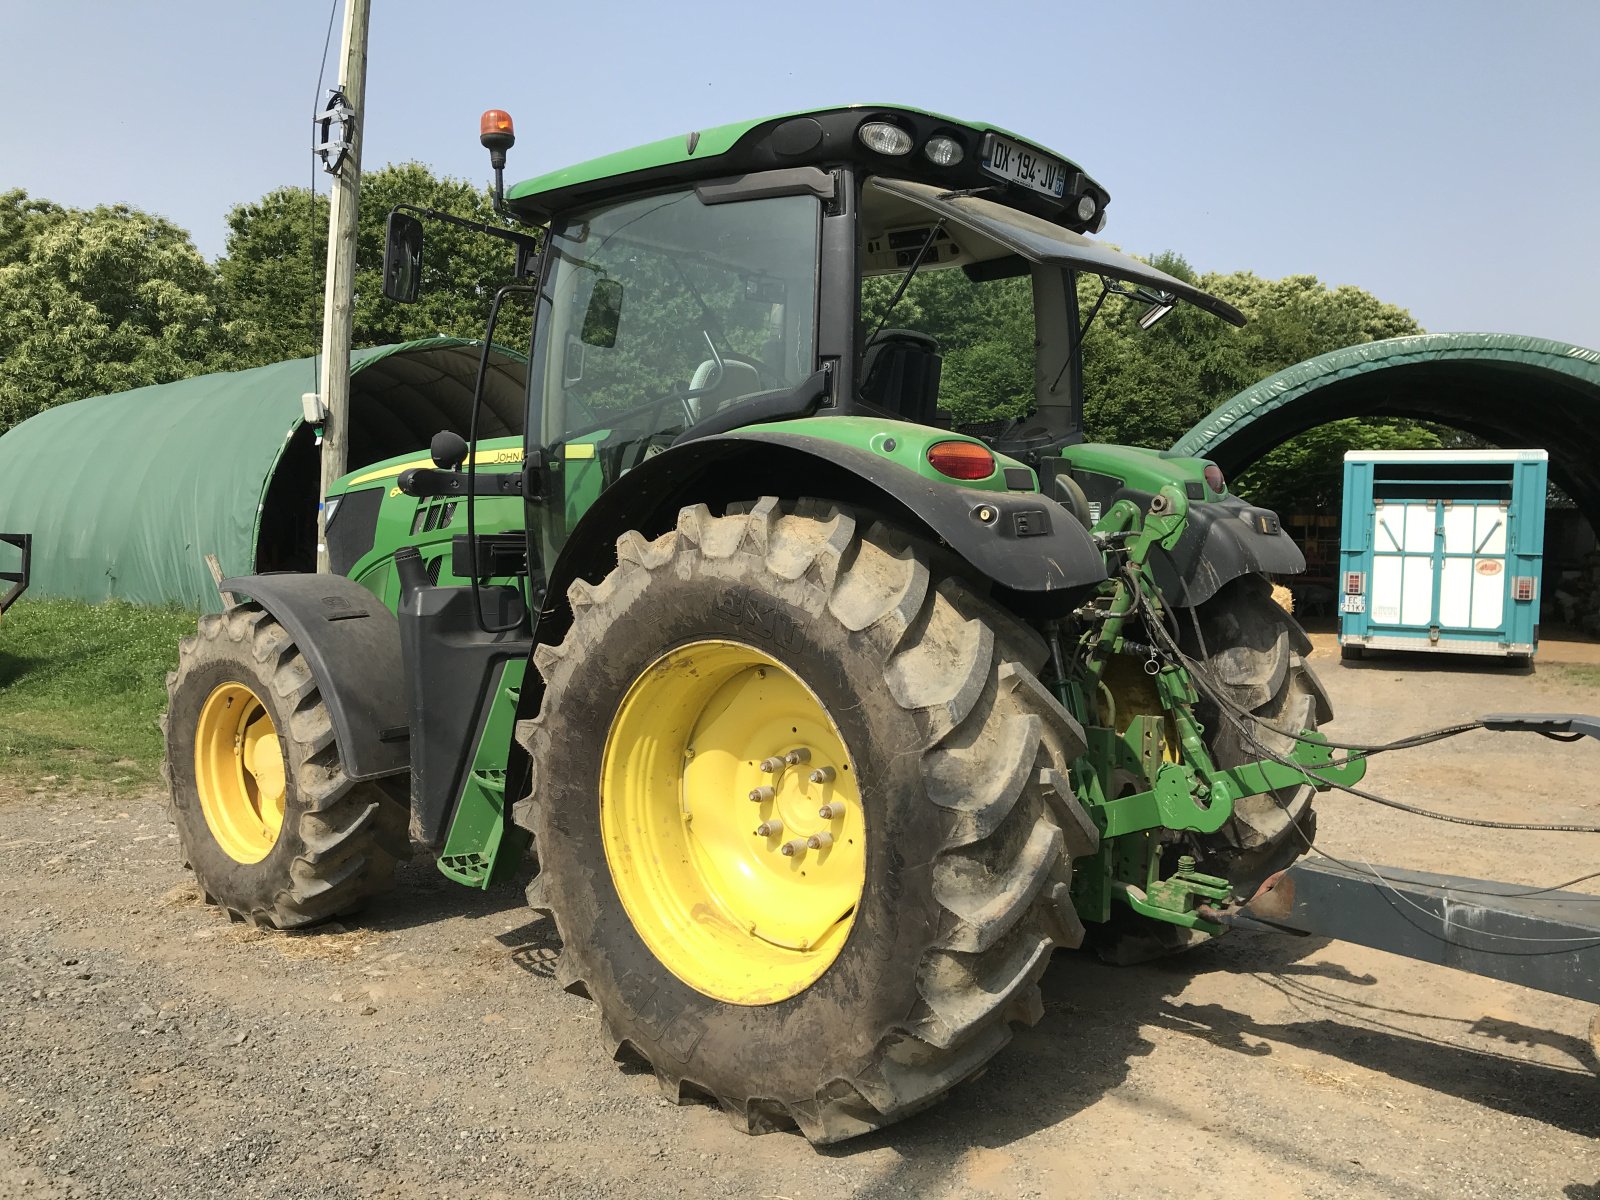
{"x":665,"y":310}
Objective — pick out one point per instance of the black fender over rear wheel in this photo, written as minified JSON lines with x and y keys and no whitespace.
{"x":274,"y":831}
{"x":843,"y":983}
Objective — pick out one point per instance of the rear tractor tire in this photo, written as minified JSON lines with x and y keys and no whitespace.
{"x":274,"y":831}
{"x":1254,"y":653}
{"x":803,"y":817}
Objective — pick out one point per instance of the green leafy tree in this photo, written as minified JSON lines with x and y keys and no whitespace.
{"x":1148,"y":387}
{"x":1298,"y":317}
{"x":1306,"y":473}
{"x":1293,"y":319}
{"x":269,"y":280}
{"x":21,"y":222}
{"x":985,"y":335}
{"x":272,"y":271}
{"x":112,"y":299}
{"x":95,"y":301}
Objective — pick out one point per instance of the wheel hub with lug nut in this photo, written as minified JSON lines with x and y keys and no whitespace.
{"x":715,"y":780}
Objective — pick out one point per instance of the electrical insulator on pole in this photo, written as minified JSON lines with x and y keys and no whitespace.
{"x":342,"y":159}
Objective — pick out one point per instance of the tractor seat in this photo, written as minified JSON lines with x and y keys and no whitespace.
{"x":738,"y":381}
{"x":900,"y":374}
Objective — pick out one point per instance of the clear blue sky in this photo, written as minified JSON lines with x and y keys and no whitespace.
{"x":1443,"y":155}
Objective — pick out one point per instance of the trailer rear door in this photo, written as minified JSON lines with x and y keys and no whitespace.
{"x":1404,"y":576}
{"x":1472,"y":575}
{"x":1439,"y":565}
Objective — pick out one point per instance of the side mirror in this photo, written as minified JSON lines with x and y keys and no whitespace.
{"x":527,"y":261}
{"x":402,"y":258}
{"x":759,"y":289}
{"x":1153,"y":315}
{"x":1161,"y":303}
{"x":448,"y":450}
{"x":604,"y":314}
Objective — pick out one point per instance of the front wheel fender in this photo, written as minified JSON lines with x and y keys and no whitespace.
{"x":351,"y":643}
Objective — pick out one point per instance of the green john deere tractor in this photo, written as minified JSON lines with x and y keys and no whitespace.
{"x":825,"y":721}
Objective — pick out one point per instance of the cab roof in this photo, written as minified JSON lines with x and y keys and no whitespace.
{"x":822,"y":137}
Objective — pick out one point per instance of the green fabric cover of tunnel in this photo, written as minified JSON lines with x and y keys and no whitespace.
{"x":125,"y":494}
{"x":1289,"y":385}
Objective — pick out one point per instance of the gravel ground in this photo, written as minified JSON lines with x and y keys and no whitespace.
{"x":150,"y":1049}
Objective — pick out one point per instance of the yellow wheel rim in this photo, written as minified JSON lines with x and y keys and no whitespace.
{"x":744,"y":894}
{"x":239,"y":772}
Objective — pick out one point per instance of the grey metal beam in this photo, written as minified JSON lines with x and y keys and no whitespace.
{"x":1549,"y":941}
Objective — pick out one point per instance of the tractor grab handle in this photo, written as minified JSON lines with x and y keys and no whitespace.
{"x":1545,"y":723}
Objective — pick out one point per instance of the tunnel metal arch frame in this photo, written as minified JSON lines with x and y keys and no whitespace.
{"x":1508,"y":389}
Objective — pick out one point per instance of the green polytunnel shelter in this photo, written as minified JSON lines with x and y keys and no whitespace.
{"x":126,"y":494}
{"x":1511,"y":390}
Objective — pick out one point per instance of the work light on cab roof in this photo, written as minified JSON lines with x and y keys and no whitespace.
{"x":903,"y":142}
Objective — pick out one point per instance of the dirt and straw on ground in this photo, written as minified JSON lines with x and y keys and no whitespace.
{"x":148,"y":1048}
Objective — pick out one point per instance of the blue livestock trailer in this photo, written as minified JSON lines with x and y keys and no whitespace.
{"x":1442,"y":550}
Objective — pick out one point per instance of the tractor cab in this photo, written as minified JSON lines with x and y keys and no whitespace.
{"x":758,"y":273}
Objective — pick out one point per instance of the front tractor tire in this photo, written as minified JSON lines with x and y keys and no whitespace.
{"x":836,"y":941}
{"x":274,"y":831}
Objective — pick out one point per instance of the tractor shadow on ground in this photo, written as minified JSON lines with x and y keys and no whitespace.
{"x":1492,"y":1080}
{"x":1095,"y":1026}
{"x":1096,"y":1023}
{"x":1093,"y":1029}
{"x":534,"y":946}
{"x":421,"y":896}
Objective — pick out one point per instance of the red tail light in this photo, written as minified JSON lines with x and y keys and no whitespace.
{"x":961,"y":460}
{"x":1215,"y":480}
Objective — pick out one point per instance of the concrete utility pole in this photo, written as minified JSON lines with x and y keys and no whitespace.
{"x":339,"y":297}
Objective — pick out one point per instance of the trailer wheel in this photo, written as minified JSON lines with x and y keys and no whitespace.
{"x":835,"y":941}
{"x":1255,"y":653}
{"x":273,"y":830}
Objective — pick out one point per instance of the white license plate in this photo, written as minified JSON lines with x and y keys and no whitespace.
{"x":1007,"y":160}
{"x":1355,"y":604}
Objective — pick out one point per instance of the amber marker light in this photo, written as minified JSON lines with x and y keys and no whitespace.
{"x":495,"y":130}
{"x":961,"y":460}
{"x":497,"y":136}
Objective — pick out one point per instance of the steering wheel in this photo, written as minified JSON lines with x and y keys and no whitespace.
{"x":685,"y":396}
